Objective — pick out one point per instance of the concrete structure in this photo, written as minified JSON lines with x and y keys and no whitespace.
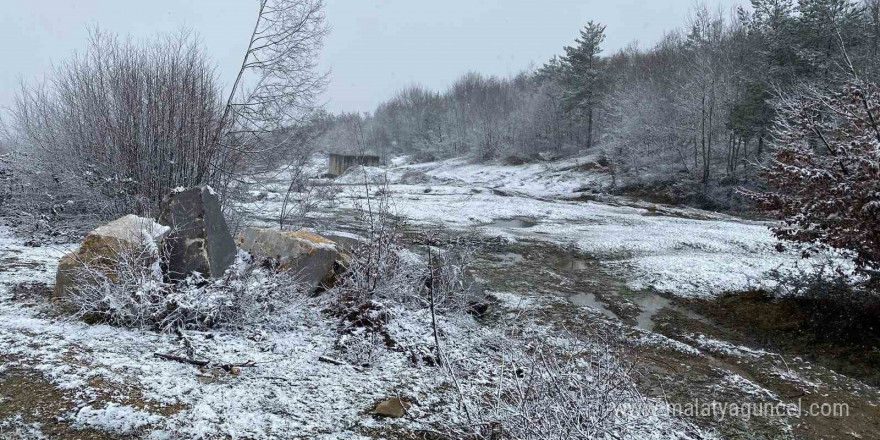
{"x":341,"y":162}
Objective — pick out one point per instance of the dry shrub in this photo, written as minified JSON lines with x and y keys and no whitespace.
{"x":384,"y":278}
{"x":839,"y":305}
{"x":542,"y":387}
{"x":136,"y":295}
{"x":131,"y":122}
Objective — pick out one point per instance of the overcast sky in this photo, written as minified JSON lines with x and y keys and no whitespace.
{"x":376,"y":46}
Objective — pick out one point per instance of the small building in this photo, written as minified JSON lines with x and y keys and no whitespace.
{"x":341,"y":162}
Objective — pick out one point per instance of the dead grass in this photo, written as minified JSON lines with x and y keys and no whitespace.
{"x":787,"y":325}
{"x":26,"y":393}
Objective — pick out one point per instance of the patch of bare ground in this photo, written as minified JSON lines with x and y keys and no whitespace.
{"x":768,"y":343}
{"x":786,"y":326}
{"x":27,"y":398}
{"x":694,"y":352}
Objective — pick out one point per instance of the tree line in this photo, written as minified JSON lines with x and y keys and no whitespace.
{"x":697,"y":108}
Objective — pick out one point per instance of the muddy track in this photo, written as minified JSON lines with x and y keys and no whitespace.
{"x":683,"y":353}
{"x":687,"y":356}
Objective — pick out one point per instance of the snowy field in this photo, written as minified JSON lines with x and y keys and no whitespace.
{"x":680,"y":251}
{"x":111,"y":380}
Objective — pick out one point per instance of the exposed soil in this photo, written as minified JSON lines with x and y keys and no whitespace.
{"x":785,"y":363}
{"x":793,"y":376}
{"x":784,"y":325}
{"x":27,"y":394}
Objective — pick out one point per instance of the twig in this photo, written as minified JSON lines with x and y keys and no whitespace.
{"x":330,"y":360}
{"x":171,"y":357}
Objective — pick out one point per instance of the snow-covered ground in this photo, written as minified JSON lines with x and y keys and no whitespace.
{"x":680,"y":251}
{"x":112,"y":381}
{"x":289,"y":393}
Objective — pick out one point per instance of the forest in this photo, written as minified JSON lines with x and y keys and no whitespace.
{"x":689,"y":119}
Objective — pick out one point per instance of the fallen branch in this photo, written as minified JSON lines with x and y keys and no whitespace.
{"x":171,"y":357}
{"x":206,"y":363}
{"x":330,"y":360}
{"x":232,"y":368}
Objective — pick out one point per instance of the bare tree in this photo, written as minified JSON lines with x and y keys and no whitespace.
{"x":278,"y":82}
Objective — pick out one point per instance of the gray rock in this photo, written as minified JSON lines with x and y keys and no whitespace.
{"x":199,"y":240}
{"x":315,"y":259}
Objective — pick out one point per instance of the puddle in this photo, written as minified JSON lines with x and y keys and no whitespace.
{"x":573,"y":265}
{"x":589,"y":300}
{"x":518,"y":223}
{"x":652,"y":304}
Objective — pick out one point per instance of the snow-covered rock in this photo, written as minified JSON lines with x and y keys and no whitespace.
{"x":130,"y":237}
{"x":313,"y":258}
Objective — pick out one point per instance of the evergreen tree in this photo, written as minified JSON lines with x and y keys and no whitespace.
{"x":582,"y":68}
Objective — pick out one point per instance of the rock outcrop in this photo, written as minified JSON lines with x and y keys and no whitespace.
{"x":316,"y":260}
{"x":199,"y":240}
{"x":135,"y":239}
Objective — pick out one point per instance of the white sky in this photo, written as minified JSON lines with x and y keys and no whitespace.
{"x":376,"y":46}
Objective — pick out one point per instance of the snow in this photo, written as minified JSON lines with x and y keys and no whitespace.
{"x":513,"y":301}
{"x":791,"y":376}
{"x":17,"y":428}
{"x":681,"y":251}
{"x":737,"y":382}
{"x":544,"y":179}
{"x":287,"y":393}
{"x":134,"y":229}
{"x":120,"y":419}
{"x":725,"y":348}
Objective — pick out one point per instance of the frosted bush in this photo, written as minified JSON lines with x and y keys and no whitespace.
{"x":134,"y":295}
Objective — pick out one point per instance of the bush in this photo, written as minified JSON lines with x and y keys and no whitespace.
{"x":382,"y":269}
{"x":423,"y":157}
{"x":549,"y":388}
{"x":6,"y":180}
{"x":135,"y":295}
{"x":131,"y":122}
{"x":714,"y":196}
{"x":825,"y":176}
{"x":384,"y":278}
{"x":515,"y":160}
{"x":838,"y":305}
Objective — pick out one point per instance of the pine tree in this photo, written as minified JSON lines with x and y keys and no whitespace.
{"x":826,"y":28}
{"x":582,"y":68}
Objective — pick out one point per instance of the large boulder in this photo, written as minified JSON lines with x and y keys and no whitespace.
{"x":131,"y":238}
{"x":314,"y":259}
{"x":199,"y":240}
